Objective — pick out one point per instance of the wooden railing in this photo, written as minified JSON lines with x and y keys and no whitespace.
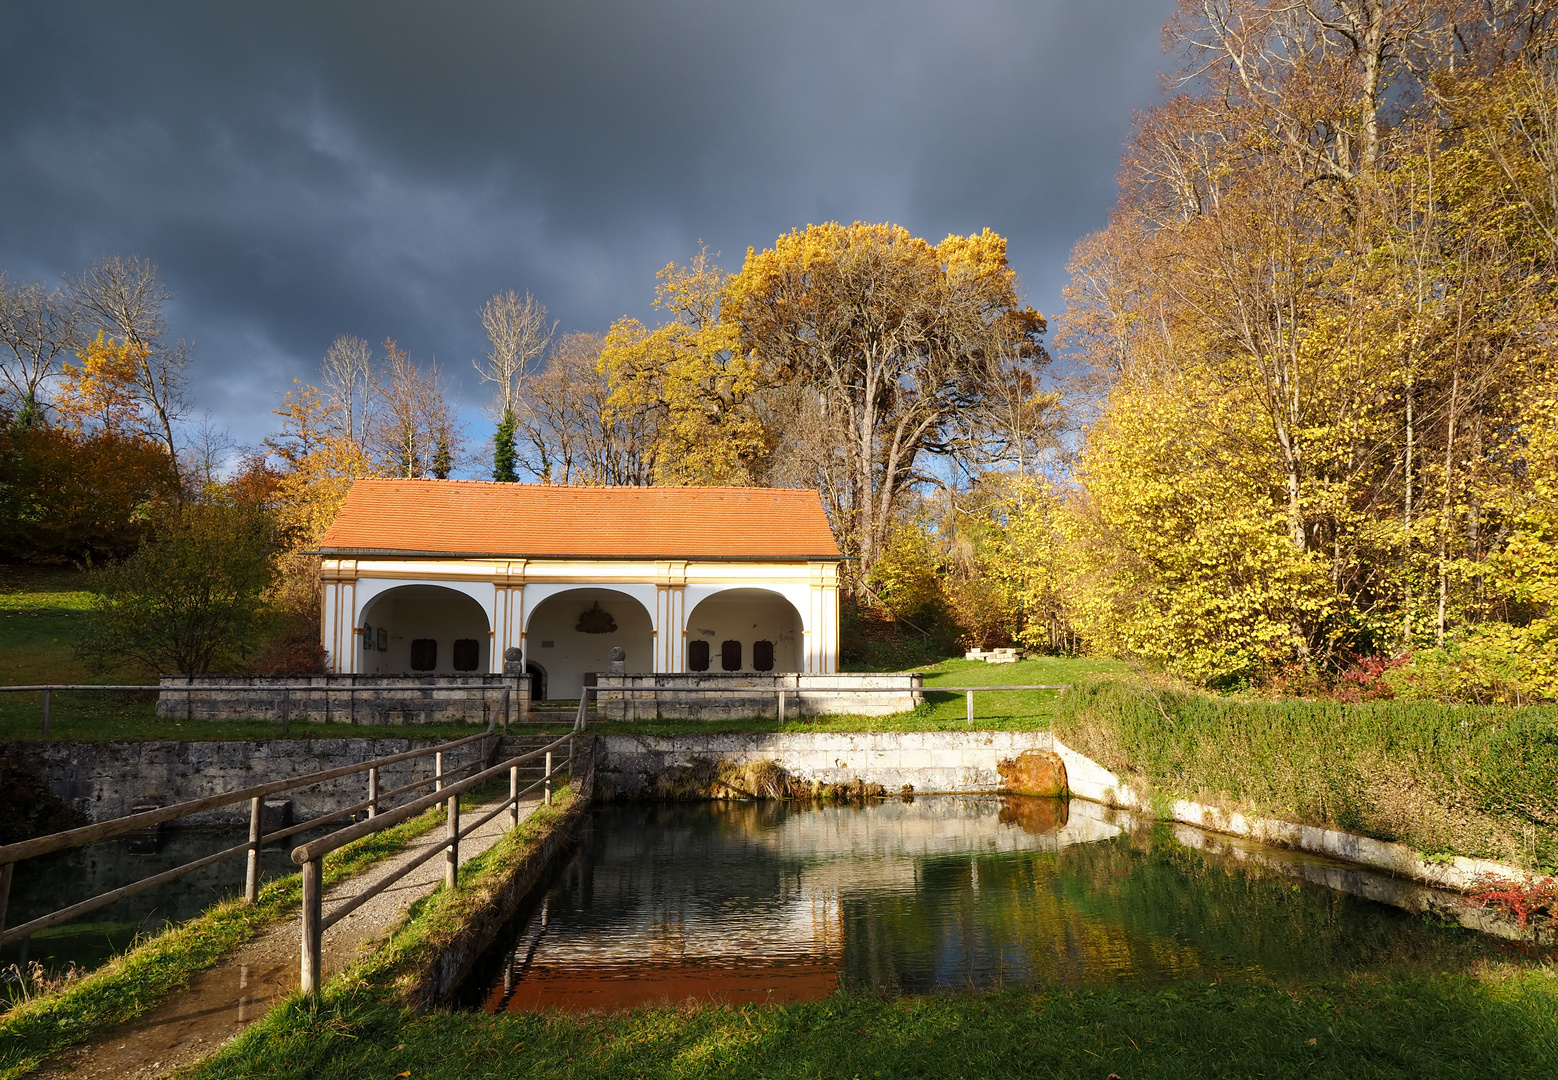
{"x":310,"y":856}
{"x":11,"y":854}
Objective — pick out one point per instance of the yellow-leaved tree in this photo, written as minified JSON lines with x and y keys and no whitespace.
{"x":685,"y":384}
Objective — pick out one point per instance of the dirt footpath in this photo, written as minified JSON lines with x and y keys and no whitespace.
{"x":220,"y":1003}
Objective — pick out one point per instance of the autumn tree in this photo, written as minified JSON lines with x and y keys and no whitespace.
{"x":1310,"y":320}
{"x":898,"y":338}
{"x":687,"y":382}
{"x":100,"y":393}
{"x":123,"y":298}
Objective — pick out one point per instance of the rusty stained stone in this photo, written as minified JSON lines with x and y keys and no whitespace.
{"x":1033,"y":814}
{"x":1035,"y":772}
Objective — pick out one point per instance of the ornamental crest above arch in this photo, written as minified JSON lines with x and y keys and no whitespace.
{"x":596,"y":621}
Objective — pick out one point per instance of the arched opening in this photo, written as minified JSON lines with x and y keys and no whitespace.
{"x":537,"y":676}
{"x":571,"y":635}
{"x":424,"y":630}
{"x":745,"y":630}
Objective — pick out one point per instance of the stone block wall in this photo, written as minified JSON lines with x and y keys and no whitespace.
{"x":108,"y":780}
{"x":344,"y":699}
{"x":927,"y":761}
{"x":710,"y":696}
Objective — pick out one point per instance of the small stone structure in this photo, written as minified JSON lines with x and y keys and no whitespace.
{"x":994,"y":656}
{"x":345,"y":699}
{"x":721,"y":696}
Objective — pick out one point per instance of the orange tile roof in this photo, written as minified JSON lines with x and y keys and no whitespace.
{"x":470,"y":517}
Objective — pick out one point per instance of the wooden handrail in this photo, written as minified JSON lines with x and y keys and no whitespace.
{"x":43,"y":845}
{"x":10,"y":854}
{"x":316,"y":849}
{"x":310,"y":856}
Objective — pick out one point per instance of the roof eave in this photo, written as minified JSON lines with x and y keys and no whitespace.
{"x":402,"y":553}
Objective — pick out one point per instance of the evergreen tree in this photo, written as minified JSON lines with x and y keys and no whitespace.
{"x":503,"y":450}
{"x":443,"y":459}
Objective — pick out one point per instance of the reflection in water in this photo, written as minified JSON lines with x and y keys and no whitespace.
{"x":741,"y":902}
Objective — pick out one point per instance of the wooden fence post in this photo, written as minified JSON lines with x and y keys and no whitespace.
{"x":514,"y":796}
{"x":312,"y":932}
{"x":452,"y":853}
{"x":5,"y":889}
{"x":970,"y":706}
{"x":251,"y":880}
{"x":438,"y":771}
{"x":373,"y":792}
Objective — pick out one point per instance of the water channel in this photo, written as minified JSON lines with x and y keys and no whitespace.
{"x":752,"y":902}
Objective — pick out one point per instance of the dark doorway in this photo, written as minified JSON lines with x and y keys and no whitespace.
{"x":467,"y":654}
{"x":537,"y":682}
{"x":730,"y":655}
{"x":698,"y":655}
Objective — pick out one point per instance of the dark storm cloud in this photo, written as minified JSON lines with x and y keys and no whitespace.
{"x":300,"y":171}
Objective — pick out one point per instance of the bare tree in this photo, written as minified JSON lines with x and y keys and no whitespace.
{"x":124,"y":297}
{"x":516,"y":327}
{"x":205,"y":455}
{"x":37,"y":327}
{"x":347,"y":373}
{"x":415,"y":431}
{"x":563,"y":416}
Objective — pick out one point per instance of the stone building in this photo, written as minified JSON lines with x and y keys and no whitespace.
{"x":440,"y":577}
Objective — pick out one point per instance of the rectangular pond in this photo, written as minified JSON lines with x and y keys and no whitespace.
{"x":776,"y":902}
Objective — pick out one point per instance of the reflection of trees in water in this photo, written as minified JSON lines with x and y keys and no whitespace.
{"x":709,"y":883}
{"x":1137,"y":908}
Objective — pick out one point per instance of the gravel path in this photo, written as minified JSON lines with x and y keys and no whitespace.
{"x":221,"y":1002}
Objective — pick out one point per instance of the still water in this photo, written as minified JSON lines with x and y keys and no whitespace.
{"x":743,"y":902}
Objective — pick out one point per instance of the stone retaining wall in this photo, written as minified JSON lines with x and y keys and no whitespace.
{"x":108,"y":780}
{"x":1089,"y":780}
{"x":344,"y":699}
{"x":682,"y":696}
{"x":927,"y":761}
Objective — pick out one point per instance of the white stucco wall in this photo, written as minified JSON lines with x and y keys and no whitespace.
{"x":564,"y":653}
{"x":747,"y":616}
{"x":510,"y":592}
{"x":421,"y":611}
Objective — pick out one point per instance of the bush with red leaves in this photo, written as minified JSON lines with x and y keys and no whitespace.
{"x":1533,"y":902}
{"x":1364,"y":678}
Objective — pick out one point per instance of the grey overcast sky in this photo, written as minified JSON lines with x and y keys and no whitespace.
{"x":302,"y":170}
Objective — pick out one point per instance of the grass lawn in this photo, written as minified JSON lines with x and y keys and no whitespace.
{"x":1474,"y":1025}
{"x":996,"y":710}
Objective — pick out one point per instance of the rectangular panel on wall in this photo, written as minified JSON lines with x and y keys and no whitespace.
{"x":697,"y":655}
{"x":763,"y":655}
